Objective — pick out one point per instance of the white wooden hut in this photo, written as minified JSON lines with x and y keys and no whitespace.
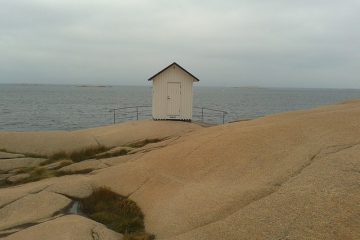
{"x":172,"y":93}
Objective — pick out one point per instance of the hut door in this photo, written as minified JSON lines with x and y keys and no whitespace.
{"x":173,"y":99}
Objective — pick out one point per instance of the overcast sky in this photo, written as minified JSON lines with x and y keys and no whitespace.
{"x":273,"y":43}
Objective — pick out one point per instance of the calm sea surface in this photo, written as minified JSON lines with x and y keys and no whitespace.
{"x":48,"y":107}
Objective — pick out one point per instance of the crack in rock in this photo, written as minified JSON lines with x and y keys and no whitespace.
{"x":28,"y":193}
{"x":21,"y":227}
{"x":139,"y":187}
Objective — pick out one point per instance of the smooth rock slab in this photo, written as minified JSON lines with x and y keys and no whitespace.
{"x":32,"y":208}
{"x":6,"y":155}
{"x":70,"y":227}
{"x":11,"y":194}
{"x":9,"y":164}
{"x":74,"y":186}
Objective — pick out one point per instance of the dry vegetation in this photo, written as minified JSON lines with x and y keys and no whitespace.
{"x":144,"y":142}
{"x":81,"y":155}
{"x":39,"y":173}
{"x":121,"y":152}
{"x":93,"y":152}
{"x":117,"y":212}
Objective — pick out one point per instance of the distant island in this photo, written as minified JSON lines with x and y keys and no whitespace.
{"x":93,"y":86}
{"x":251,"y":87}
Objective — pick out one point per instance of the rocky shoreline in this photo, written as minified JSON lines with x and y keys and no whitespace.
{"x":38,"y":191}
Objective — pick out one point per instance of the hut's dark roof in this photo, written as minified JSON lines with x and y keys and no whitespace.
{"x":174,"y":63}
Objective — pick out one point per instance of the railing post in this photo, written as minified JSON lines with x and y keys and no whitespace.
{"x":202,"y":114}
{"x":114,"y":115}
{"x":137,"y":113}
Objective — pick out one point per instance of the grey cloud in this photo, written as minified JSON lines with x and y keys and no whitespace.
{"x":269,"y":43}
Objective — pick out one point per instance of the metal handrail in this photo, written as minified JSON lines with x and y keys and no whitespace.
{"x":224,"y":113}
{"x":131,"y":107}
{"x":136,"y":110}
{"x":123,"y":108}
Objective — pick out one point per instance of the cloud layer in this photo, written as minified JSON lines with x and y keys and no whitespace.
{"x":227,"y":43}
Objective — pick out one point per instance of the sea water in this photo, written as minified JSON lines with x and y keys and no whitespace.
{"x":52,"y":107}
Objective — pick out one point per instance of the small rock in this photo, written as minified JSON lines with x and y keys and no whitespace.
{"x":6,"y":155}
{"x":18,"y":177}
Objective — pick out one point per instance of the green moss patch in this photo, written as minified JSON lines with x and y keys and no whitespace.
{"x":117,"y":212}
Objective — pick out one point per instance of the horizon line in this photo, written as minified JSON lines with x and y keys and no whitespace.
{"x":149,"y":85}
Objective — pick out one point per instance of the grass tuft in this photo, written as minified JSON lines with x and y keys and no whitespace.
{"x":117,"y":212}
{"x":87,"y":153}
{"x":36,"y":174}
{"x":144,"y":142}
{"x":39,"y":173}
{"x":3,"y":183}
{"x":80,"y":155}
{"x":82,"y":171}
{"x":33,"y":155}
{"x":64,"y":164}
{"x":121,"y":152}
{"x":59,"y":156}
